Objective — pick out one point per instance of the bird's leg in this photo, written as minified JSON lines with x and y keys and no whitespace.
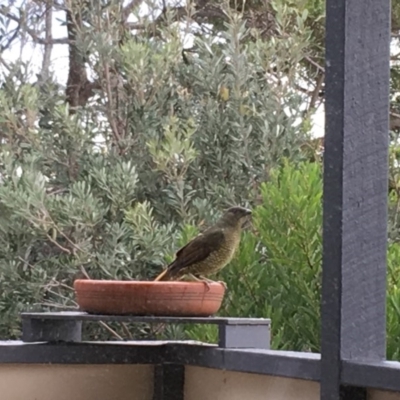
{"x":211,"y":281}
{"x":201,"y":279}
{"x":221,"y":282}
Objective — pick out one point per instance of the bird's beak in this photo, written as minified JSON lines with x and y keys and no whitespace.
{"x":247,"y":220}
{"x":247,"y":223}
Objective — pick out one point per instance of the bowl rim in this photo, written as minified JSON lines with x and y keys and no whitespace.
{"x":112,"y":282}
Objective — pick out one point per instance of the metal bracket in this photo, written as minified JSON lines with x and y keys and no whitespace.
{"x":244,"y":336}
{"x":67,"y":327}
{"x":51,"y":330}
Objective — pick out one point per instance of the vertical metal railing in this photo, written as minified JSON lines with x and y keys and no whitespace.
{"x":355,"y":188}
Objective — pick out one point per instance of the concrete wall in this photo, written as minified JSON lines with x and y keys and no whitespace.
{"x":78,"y":382}
{"x":381,"y":395}
{"x":135,"y":382}
{"x":211,"y":384}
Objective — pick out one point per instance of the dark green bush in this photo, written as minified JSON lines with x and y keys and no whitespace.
{"x":277,"y":272}
{"x":105,"y":190}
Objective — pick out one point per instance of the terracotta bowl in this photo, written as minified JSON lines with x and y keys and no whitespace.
{"x":148,"y":298}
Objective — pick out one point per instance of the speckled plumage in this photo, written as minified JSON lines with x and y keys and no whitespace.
{"x":210,"y":251}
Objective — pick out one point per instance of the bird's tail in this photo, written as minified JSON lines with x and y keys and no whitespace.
{"x":164,"y":276}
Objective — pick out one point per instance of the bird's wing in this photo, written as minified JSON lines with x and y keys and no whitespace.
{"x":198,"y":249}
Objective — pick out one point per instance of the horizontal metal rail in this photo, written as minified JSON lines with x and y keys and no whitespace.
{"x":67,"y":327}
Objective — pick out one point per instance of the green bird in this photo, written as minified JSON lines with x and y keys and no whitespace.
{"x":210,"y":251}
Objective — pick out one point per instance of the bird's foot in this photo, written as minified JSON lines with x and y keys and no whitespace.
{"x":204,"y":280}
{"x":208,"y":281}
{"x":207,"y":286}
{"x":223,"y":284}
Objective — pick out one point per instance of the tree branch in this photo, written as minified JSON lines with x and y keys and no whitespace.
{"x":48,"y":47}
{"x":11,"y":39}
{"x":315,"y":64}
{"x":79,"y":88}
{"x":394,"y":120}
{"x":32,"y":33}
{"x":126,"y":12}
{"x":202,"y":13}
{"x":316,"y":91}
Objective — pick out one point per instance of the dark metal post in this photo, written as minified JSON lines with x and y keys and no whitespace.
{"x":355,"y":186}
{"x":43,"y":330}
{"x":169,"y":381}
